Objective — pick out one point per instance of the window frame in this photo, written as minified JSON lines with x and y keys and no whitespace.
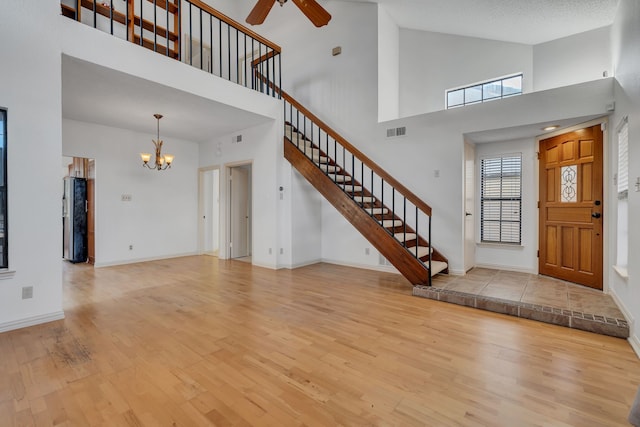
{"x":4,"y":191}
{"x":483,"y":178}
{"x":622,"y":205}
{"x":482,"y":85}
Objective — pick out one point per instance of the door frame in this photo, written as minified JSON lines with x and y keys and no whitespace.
{"x":606,"y":193}
{"x":225,"y":221}
{"x":201,"y":172}
{"x":469,"y":221}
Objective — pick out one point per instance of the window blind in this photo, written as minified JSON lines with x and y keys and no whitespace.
{"x":501,"y":199}
{"x":623,"y":160}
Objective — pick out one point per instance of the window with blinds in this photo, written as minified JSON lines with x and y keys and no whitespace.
{"x":501,"y":199}
{"x":623,"y":160}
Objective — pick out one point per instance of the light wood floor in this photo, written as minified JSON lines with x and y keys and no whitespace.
{"x":196,"y":341}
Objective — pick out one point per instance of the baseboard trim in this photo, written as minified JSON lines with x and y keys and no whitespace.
{"x":31,"y":321}
{"x":382,"y":268}
{"x":137,"y":260}
{"x":300,"y":264}
{"x":508,"y":268}
{"x":633,"y":338}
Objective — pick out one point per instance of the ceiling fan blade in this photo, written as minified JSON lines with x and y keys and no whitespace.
{"x":260,"y":12}
{"x":316,"y":13}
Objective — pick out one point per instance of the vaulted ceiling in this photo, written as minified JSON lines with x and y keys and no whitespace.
{"x":520,"y":21}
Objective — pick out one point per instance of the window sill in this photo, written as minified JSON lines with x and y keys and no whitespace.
{"x":622,"y":271}
{"x":499,"y":245}
{"x":5,"y":273}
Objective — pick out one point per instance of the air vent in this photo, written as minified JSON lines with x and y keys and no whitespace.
{"x":396,"y":132}
{"x":383,"y":261}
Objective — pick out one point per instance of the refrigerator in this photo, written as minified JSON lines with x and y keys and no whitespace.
{"x":74,"y":219}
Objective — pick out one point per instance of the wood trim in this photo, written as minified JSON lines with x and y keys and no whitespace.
{"x":363,"y":158}
{"x":388,"y":246}
{"x":234,"y":24}
{"x":105,"y":11}
{"x":159,"y":48}
{"x":160,"y":31}
{"x":162,"y":4}
{"x":68,"y":11}
{"x":264,"y":57}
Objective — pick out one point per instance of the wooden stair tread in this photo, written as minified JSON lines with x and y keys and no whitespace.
{"x":405,"y":237}
{"x":340,"y":178}
{"x":421,"y":251}
{"x":352,"y":188}
{"x":376,"y":211}
{"x":437,"y":267}
{"x":364,"y":199}
{"x":329,"y":168}
{"x":391,"y":223}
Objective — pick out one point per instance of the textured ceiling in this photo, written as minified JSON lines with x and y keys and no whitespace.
{"x":520,"y":21}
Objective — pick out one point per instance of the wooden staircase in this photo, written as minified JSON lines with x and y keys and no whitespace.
{"x":381,"y":216}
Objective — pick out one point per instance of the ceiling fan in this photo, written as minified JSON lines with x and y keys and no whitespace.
{"x":316,"y":13}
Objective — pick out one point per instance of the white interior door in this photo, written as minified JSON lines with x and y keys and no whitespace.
{"x":239,"y":212}
{"x":209,"y":212}
{"x":469,"y":206}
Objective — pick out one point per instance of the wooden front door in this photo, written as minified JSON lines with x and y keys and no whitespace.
{"x":571,"y":207}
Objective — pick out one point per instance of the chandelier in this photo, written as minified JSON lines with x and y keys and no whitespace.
{"x":162,"y":162}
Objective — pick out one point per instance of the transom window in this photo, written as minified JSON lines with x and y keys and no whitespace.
{"x":501,"y":199}
{"x":485,"y":91}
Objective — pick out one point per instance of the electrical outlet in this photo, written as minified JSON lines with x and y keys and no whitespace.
{"x":27,"y":292}
{"x":126,"y":197}
{"x":366,"y":251}
{"x":281,"y":251}
{"x":130,"y":247}
{"x":270,"y":251}
{"x":436,"y":173}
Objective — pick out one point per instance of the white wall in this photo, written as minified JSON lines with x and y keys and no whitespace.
{"x":626,"y":64}
{"x":431,"y":63}
{"x":161,"y":219}
{"x":511,"y":257}
{"x":574,"y":59}
{"x":261,"y":146}
{"x":30,"y":91}
{"x":435,"y":141}
{"x":388,"y":66}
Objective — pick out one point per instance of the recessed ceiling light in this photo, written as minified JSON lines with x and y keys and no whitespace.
{"x":548,"y":128}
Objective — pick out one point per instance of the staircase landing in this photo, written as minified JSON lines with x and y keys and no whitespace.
{"x":530,"y":296}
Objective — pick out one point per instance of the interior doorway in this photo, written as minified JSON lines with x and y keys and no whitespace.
{"x":240,"y":211}
{"x":571,"y":206}
{"x":78,"y":209}
{"x":209,"y":211}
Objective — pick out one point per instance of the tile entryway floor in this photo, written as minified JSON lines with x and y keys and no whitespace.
{"x":531,"y":296}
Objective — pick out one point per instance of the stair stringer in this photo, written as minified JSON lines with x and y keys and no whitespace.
{"x":409,"y":266}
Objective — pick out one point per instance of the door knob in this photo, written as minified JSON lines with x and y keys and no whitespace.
{"x":596,"y":215}
{"x":467,"y":214}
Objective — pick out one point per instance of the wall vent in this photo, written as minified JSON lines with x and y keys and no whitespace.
{"x":384,"y":261}
{"x":396,"y":132}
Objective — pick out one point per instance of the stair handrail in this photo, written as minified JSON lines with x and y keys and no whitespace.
{"x":247,"y":52}
{"x":419,"y":203}
{"x":235,"y":24}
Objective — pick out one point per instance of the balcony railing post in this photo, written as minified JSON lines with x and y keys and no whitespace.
{"x":430,"y":247}
{"x":110,"y":16}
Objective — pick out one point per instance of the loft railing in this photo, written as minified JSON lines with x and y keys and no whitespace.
{"x":189,"y":31}
{"x":407,"y":211}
